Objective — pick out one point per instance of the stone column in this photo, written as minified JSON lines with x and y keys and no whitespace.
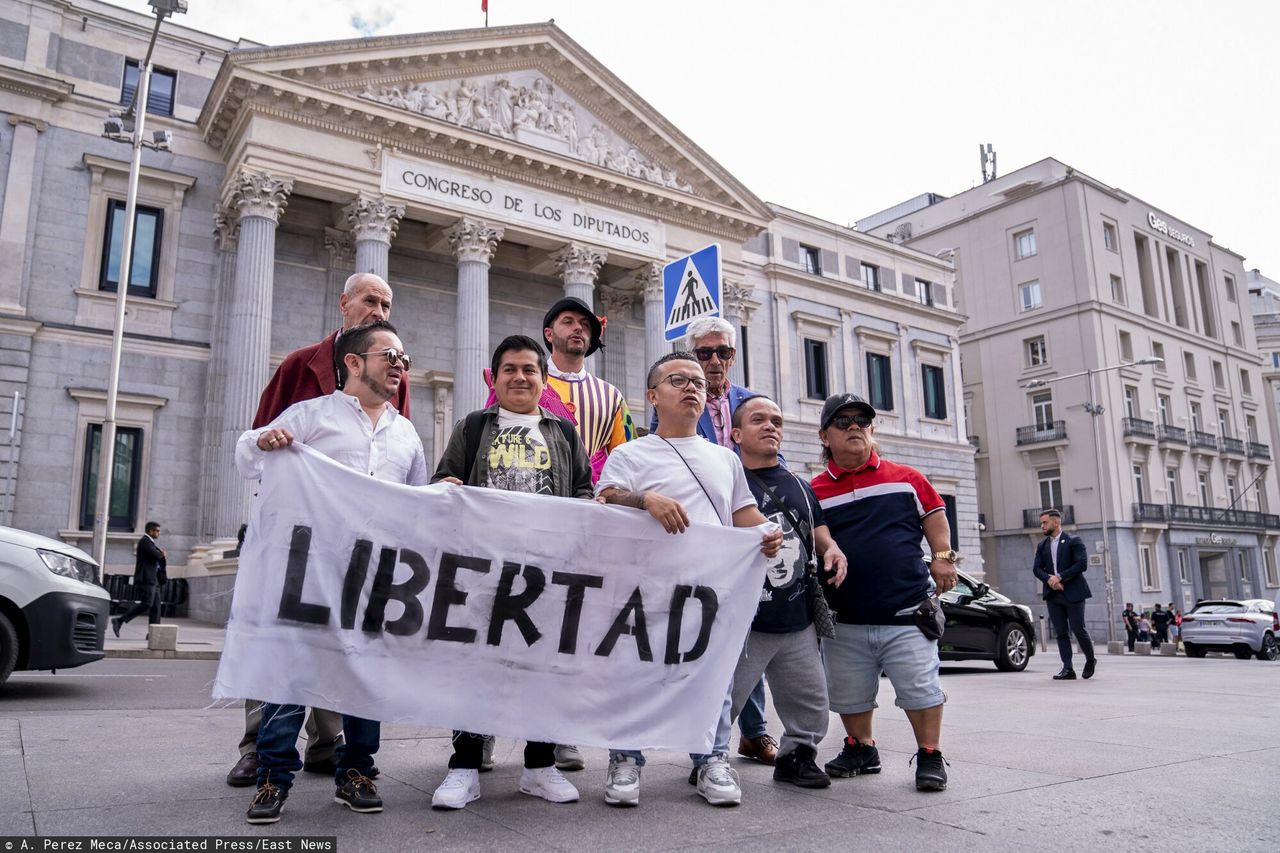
{"x":578,"y":265}
{"x":373,"y":222}
{"x":735,"y":311}
{"x":617,"y":304}
{"x":909,"y":370}
{"x":473,"y":242}
{"x":16,"y":216}
{"x":258,"y":199}
{"x":341,"y":250}
{"x":226,"y":235}
{"x":649,"y":278}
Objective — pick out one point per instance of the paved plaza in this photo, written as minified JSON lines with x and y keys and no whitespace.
{"x":1153,"y":753}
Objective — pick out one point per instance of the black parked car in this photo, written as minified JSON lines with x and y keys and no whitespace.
{"x":982,"y":624}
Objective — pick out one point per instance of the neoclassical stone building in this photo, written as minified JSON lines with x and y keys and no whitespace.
{"x":484,"y":172}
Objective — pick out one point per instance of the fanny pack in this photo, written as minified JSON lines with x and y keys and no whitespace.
{"x":929,"y":617}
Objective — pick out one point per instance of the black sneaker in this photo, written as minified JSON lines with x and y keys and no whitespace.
{"x":854,"y":759}
{"x":267,"y":804}
{"x":358,"y":793}
{"x":931,"y":770}
{"x":799,"y":768}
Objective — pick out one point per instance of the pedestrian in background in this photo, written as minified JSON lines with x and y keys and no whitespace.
{"x":1130,"y":619}
{"x":148,"y":576}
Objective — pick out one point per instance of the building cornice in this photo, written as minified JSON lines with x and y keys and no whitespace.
{"x":32,"y":85}
{"x":858,"y":293}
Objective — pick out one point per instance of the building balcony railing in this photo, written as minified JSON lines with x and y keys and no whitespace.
{"x":1171,"y":434}
{"x":1221,"y":517}
{"x":1259,"y":451}
{"x":1202,"y":439}
{"x":1139,"y":427}
{"x":1232,"y":445}
{"x":1037,"y":433}
{"x":1031,"y":517}
{"x":1149,"y":512}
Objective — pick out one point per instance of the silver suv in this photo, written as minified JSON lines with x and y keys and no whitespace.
{"x":53,"y":609}
{"x":1249,"y":628}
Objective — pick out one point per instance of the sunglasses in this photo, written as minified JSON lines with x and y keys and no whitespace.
{"x":843,"y":422}
{"x":679,"y":380}
{"x":705,"y":353}
{"x":395,"y":357}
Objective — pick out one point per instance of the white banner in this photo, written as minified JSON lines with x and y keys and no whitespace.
{"x":526,"y":616}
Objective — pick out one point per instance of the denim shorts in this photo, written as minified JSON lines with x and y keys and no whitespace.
{"x":858,"y":654}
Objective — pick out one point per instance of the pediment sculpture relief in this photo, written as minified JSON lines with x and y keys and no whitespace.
{"x":527,"y":108}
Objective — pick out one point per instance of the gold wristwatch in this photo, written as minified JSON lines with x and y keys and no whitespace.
{"x":952,"y":556}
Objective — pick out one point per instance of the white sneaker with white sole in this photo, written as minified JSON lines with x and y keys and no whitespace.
{"x":549,"y":784}
{"x":718,"y":783}
{"x":622,"y":785}
{"x":458,"y":788}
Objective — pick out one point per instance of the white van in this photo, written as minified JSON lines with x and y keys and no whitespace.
{"x":53,"y":608}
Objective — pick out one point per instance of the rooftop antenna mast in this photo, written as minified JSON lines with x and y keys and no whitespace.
{"x":987,"y":155}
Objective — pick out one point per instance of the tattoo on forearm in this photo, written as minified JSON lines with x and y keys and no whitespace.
{"x":622,"y":497}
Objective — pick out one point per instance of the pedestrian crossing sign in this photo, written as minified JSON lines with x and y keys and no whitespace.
{"x":691,"y":288}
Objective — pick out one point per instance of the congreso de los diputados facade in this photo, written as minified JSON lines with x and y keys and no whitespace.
{"x":485,"y":173}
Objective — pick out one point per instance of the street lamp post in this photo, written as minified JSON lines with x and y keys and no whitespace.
{"x":126,"y":127}
{"x":1095,"y":409}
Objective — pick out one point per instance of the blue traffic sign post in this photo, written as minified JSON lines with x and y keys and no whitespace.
{"x":691,"y":288}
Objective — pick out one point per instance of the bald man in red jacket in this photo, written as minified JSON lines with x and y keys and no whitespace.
{"x":305,"y":374}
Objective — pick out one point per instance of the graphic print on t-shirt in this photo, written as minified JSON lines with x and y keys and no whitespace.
{"x":519,"y":461}
{"x":785,"y":577}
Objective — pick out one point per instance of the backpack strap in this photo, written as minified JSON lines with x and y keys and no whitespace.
{"x":472,"y":426}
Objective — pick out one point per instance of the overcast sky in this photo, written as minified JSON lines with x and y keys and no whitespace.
{"x":840,"y":109}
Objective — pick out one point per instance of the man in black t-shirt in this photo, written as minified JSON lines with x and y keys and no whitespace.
{"x":783,"y":643}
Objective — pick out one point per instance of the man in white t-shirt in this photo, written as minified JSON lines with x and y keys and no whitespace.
{"x":679,"y":478}
{"x":517,"y":446}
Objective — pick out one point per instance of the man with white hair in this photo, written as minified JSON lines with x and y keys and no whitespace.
{"x":713,"y":341}
{"x":306,"y":374}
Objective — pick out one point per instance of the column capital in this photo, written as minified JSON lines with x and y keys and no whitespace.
{"x":372,"y":217}
{"x":615,"y":300}
{"x":341,"y":248}
{"x":226,"y":230}
{"x":38,"y":124}
{"x":474,"y":239}
{"x":737,"y":298}
{"x":649,"y":279}
{"x":260,"y":194}
{"x":579,"y":261}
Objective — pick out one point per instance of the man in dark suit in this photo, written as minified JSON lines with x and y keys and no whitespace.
{"x":306,"y":374}
{"x":148,"y":576}
{"x":1060,"y":564}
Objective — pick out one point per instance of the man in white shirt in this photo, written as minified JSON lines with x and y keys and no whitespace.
{"x":358,"y":427}
{"x":679,"y":478}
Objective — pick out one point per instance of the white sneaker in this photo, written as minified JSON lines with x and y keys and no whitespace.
{"x":568,"y":757}
{"x":548,"y":783}
{"x":622,"y":785}
{"x":718,"y":783}
{"x":458,"y":788}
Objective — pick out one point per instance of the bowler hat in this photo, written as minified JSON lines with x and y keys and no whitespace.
{"x":573,"y":303}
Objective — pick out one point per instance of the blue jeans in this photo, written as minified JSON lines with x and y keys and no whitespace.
{"x":751,"y":721}
{"x":278,"y":745}
{"x":720,"y":748}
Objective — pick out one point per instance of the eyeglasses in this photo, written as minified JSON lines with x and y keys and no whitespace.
{"x":705,"y":353}
{"x":843,"y":422}
{"x":679,"y":380}
{"x":395,"y":357}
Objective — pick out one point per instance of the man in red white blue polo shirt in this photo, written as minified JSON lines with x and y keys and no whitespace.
{"x":878,"y":511}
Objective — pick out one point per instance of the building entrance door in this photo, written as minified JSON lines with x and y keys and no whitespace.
{"x":1213,"y":577}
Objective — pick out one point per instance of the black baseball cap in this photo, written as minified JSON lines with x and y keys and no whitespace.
{"x":576,"y":305}
{"x":836,"y":402}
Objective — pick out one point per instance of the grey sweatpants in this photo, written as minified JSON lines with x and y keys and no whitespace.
{"x":792,"y":666}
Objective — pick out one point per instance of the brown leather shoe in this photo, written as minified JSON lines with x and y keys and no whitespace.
{"x":245,"y":773}
{"x":763,"y":749}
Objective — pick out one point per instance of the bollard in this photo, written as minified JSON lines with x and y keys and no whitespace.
{"x":1142,"y":649}
{"x":1115,"y":647}
{"x":1168,"y":649}
{"x":1042,"y":633}
{"x":162,"y":638}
